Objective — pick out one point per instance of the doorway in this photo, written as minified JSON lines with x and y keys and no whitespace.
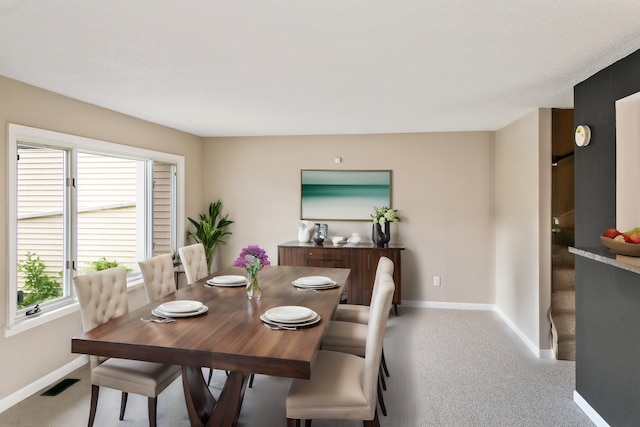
{"x":562,"y":312}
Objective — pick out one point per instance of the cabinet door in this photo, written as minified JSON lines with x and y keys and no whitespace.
{"x":364,"y":264}
{"x":361,"y":282}
{"x":292,"y":256}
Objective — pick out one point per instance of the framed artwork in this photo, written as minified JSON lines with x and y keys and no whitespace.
{"x":343,"y":195}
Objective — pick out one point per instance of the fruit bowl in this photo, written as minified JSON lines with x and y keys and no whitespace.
{"x":621,"y":248}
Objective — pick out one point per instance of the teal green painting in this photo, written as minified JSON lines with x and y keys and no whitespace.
{"x":343,"y":195}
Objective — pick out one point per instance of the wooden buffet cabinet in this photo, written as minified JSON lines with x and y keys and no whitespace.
{"x":361,"y":258}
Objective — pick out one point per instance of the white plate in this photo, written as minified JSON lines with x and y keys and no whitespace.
{"x":313,"y":321}
{"x":312,"y":280}
{"x":311,"y":316}
{"x":160,"y":313}
{"x":329,"y":285}
{"x":226,"y":280}
{"x":180,"y":306}
{"x":288,"y":313}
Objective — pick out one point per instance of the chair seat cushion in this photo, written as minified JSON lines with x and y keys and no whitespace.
{"x":352,"y":313}
{"x":334,"y":391}
{"x":134,"y":376}
{"x":346,"y":337}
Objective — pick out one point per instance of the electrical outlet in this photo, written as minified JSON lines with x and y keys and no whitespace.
{"x":436,"y":280}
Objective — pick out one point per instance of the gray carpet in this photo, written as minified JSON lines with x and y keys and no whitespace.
{"x":448,"y":368}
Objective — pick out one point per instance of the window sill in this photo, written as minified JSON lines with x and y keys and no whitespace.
{"x":30,"y":322}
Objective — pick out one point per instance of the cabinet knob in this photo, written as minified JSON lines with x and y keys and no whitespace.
{"x":310,"y":253}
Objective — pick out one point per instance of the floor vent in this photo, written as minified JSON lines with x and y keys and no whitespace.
{"x":60,"y":387}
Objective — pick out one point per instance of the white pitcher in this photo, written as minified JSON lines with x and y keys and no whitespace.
{"x":305,"y":231}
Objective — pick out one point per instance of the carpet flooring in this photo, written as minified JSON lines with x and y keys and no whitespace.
{"x":448,"y":368}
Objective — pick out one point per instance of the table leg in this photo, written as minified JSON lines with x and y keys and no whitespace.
{"x":200,"y":402}
{"x":202,"y":406}
{"x":229,"y":404}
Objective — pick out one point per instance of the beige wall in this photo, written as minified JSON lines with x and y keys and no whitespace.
{"x":442,"y":188}
{"x":523,"y":224}
{"x":32,"y":354}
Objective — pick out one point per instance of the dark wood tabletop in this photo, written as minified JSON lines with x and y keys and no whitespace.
{"x":230,"y":335}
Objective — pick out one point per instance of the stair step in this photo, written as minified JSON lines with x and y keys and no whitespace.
{"x":563,"y":302}
{"x":567,"y":350}
{"x":565,"y":324}
{"x":563,"y":279}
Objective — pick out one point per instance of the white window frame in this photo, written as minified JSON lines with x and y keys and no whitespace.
{"x":18,"y":133}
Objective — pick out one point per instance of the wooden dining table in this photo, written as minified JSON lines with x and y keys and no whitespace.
{"x":229,"y":336}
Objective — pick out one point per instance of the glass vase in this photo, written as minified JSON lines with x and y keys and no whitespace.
{"x":253,"y":286}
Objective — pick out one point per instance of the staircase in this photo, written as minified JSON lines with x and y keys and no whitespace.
{"x":563,"y":301}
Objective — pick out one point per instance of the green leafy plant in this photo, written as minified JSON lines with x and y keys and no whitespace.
{"x":210,"y":230}
{"x":104,"y":264}
{"x":384,"y":214}
{"x":38,"y":286}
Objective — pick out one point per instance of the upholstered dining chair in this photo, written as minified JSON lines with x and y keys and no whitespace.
{"x":343,"y":385}
{"x":349,"y":335}
{"x":158,"y":276}
{"x":194,"y":262}
{"x":356,"y":313}
{"x":103,"y":296}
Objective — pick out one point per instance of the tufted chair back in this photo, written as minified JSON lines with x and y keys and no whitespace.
{"x":102,"y":296}
{"x":158,"y":275}
{"x":194,"y":262}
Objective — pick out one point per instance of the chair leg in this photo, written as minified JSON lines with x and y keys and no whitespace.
{"x":381,"y":378}
{"x":383,"y":408}
{"x":372,"y":423}
{"x":123,"y":404}
{"x":153,"y":410}
{"x":293,"y":422}
{"x":210,"y":376}
{"x":251,"y":380}
{"x":95,"y":391}
{"x":384,"y":364}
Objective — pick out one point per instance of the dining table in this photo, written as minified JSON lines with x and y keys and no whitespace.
{"x":230,"y":335}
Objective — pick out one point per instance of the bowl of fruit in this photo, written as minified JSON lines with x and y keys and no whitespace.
{"x":622,"y":243}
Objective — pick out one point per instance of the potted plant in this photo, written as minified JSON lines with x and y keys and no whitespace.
{"x":210,"y":230}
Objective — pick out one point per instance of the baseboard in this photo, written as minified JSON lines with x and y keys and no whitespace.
{"x":449,"y":305}
{"x":541,"y":354}
{"x":589,"y":411}
{"x":42,"y":382}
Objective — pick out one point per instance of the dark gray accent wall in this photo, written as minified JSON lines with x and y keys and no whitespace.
{"x":607,"y":298}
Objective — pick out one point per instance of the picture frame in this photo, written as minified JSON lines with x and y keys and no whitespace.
{"x":343,"y":195}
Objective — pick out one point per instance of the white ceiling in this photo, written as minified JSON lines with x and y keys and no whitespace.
{"x":287,"y":67}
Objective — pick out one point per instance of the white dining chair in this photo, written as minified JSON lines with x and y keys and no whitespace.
{"x":356,"y":313}
{"x":349,"y":335}
{"x":342,"y":385}
{"x":194,"y":261}
{"x":159,"y":276}
{"x":102,"y":297}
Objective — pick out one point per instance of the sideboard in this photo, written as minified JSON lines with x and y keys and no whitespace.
{"x":361,"y":258}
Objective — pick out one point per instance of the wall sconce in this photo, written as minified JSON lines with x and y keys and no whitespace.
{"x":583,"y":135}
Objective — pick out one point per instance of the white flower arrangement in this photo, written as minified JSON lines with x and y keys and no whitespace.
{"x":384,"y":214}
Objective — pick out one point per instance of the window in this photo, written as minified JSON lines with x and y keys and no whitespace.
{"x":82,"y":205}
